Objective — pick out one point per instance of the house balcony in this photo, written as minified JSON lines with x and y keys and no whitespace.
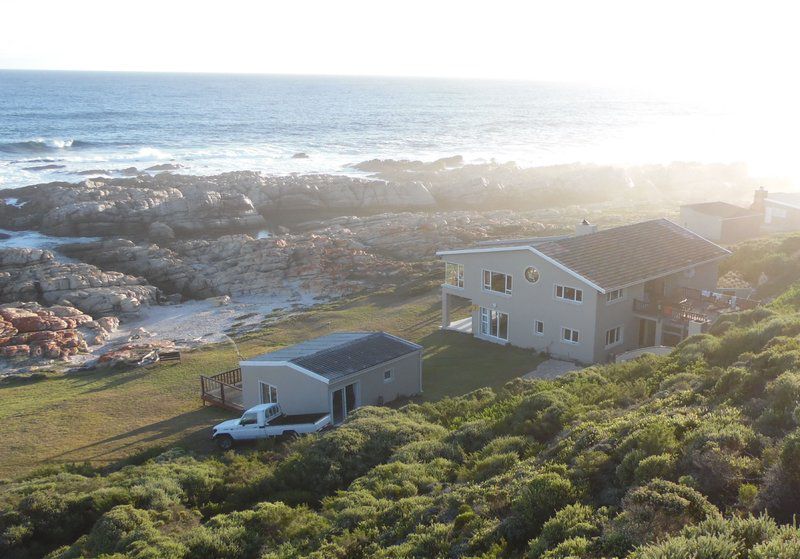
{"x":678,"y":312}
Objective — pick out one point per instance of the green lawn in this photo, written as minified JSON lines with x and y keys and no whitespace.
{"x":105,"y":417}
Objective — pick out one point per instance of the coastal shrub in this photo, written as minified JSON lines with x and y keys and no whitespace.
{"x":318,"y":466}
{"x":572,"y":521}
{"x":782,"y":397}
{"x":656,"y":466}
{"x":242,"y":534}
{"x":472,"y":436}
{"x":544,"y":414}
{"x":702,"y":547}
{"x":658,"y":509}
{"x":539,"y":499}
{"x":573,"y":548}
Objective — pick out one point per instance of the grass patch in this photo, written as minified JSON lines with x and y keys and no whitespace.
{"x":104,"y":418}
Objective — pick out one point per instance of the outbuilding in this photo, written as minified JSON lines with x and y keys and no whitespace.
{"x":721,"y":222}
{"x":335,"y":374}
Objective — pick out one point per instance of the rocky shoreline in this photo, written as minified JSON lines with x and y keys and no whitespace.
{"x":169,"y":238}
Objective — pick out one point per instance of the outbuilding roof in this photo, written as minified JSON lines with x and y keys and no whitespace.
{"x":630,"y":254}
{"x":722,"y":209}
{"x":342,"y":353}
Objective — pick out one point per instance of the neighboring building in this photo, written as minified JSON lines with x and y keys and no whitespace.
{"x":335,"y":374}
{"x":781,"y":210}
{"x":721,"y":222}
{"x":586,"y":297}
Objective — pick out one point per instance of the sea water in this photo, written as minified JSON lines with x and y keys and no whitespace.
{"x":55,"y":125}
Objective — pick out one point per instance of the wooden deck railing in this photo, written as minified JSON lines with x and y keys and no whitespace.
{"x":223,"y":389}
{"x":668,"y":310}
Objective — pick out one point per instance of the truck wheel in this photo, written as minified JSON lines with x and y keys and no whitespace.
{"x":225,"y":442}
{"x":289,"y":436}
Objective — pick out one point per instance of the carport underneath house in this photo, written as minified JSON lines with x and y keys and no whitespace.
{"x":334,"y":374}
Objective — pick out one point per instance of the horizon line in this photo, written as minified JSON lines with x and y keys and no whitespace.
{"x":318,"y":75}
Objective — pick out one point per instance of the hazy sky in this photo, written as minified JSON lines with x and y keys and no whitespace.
{"x":594,"y":41}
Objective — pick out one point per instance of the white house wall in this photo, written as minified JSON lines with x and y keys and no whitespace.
{"x":705,"y":225}
{"x":298,"y":393}
{"x":529,"y":302}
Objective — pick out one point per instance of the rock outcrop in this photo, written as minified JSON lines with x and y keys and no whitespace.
{"x":193,"y":206}
{"x":130,"y":206}
{"x":197,"y":206}
{"x":56,"y":332}
{"x":288,"y":266}
{"x":35,"y":275}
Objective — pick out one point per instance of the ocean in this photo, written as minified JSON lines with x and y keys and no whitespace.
{"x":55,"y":125}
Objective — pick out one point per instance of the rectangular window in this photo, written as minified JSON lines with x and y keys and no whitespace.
{"x":269,"y":394}
{"x":494,"y":324}
{"x":538,"y":327}
{"x":613,"y":296}
{"x":570,"y":336}
{"x":569,"y":294}
{"x":614,"y":336}
{"x":454,"y":274}
{"x":388,"y":376}
{"x":497,"y":282}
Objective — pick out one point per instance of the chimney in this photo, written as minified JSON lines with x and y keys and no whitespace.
{"x":585,"y":228}
{"x":758,"y":200}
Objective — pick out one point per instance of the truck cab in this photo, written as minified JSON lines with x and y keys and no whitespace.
{"x":264,"y":421}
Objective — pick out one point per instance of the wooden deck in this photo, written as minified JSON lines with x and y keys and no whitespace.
{"x":223,"y":390}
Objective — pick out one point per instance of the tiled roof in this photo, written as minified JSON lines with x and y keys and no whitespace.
{"x":343,"y":353}
{"x":721,"y":209}
{"x":631,"y":254}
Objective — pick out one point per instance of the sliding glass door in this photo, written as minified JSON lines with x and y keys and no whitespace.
{"x":494,"y":324}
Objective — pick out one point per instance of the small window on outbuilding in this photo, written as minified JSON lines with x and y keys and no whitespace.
{"x":269,"y":394}
{"x":388,"y":375}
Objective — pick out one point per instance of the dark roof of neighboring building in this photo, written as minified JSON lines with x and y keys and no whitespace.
{"x":721,"y":209}
{"x":630,"y":254}
{"x":343,"y":353}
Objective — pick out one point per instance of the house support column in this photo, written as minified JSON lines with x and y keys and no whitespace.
{"x":445,"y":309}
{"x":659,"y":332}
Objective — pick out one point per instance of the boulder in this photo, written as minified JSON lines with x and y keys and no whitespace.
{"x":161,"y":231}
{"x":41,"y":332}
{"x":165,"y":167}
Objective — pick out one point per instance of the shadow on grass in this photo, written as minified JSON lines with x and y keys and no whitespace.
{"x":455,"y":363}
{"x":190,"y":430}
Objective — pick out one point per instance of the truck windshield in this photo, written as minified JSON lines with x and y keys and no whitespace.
{"x":249,"y":419}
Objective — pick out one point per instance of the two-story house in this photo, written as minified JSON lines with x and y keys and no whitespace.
{"x":586,"y":297}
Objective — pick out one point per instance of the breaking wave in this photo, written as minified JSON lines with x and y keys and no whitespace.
{"x":40,"y":145}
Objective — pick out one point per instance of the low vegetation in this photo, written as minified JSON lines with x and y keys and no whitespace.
{"x":693,"y":455}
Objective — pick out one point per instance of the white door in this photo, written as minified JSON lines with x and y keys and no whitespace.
{"x":248,"y":426}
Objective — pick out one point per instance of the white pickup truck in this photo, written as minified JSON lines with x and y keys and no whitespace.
{"x":264,"y":421}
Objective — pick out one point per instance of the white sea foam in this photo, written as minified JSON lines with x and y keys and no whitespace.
{"x":152,"y":153}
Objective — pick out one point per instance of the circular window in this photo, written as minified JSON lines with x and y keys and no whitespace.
{"x":531,"y":274}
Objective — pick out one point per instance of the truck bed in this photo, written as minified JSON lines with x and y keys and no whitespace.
{"x":299,"y":418}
